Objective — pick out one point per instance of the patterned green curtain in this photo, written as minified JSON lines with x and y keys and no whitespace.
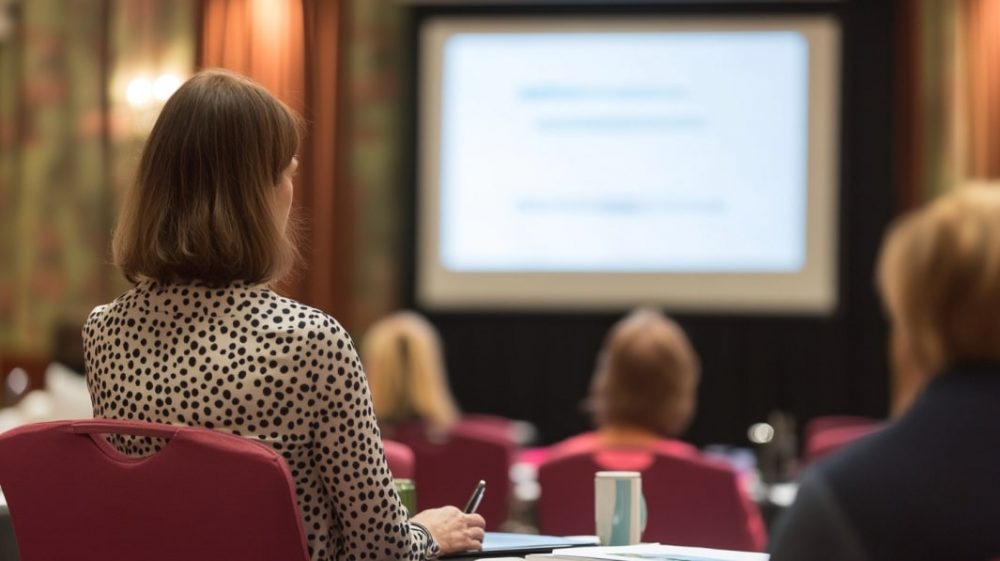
{"x":54,"y":171}
{"x":68,"y":145}
{"x":10,"y":168}
{"x":374,"y":63}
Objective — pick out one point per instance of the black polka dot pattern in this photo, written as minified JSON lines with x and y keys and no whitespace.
{"x":245,"y":360}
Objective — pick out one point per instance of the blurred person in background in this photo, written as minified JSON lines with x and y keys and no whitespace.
{"x":643,"y":396}
{"x":925,"y":487}
{"x":645,"y":386}
{"x":404,"y":361}
{"x":406,"y":373}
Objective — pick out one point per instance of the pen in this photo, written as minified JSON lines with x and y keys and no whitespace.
{"x":476,"y":498}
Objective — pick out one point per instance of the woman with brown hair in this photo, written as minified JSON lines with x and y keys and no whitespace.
{"x":201,"y":340}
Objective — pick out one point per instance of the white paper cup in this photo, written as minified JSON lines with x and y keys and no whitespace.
{"x":618,"y":507}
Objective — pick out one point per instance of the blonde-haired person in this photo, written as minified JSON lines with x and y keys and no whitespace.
{"x":404,"y":360}
{"x":201,"y":340}
{"x":402,"y":357}
{"x":926,"y":486}
{"x":406,"y":372}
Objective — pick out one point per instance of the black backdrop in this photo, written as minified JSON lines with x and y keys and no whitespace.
{"x":537,"y":366}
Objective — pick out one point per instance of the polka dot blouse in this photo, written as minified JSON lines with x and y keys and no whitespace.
{"x":245,"y":360}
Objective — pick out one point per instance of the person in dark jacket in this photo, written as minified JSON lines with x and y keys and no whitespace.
{"x":927,"y":487}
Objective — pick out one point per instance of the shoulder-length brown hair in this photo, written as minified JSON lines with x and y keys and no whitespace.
{"x":203,"y":205}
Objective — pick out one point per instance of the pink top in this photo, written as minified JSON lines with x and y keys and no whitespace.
{"x":615,"y":457}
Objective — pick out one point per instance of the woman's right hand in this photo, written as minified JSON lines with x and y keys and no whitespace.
{"x":453,"y":530}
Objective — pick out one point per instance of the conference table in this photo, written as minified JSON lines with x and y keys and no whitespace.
{"x":777,"y":497}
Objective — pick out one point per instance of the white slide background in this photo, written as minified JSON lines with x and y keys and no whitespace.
{"x":624,"y":152}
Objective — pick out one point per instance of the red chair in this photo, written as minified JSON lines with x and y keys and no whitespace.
{"x":824,"y":442}
{"x":205,"y":495}
{"x":826,"y":422}
{"x":490,"y":424}
{"x":400,"y":459}
{"x":448,"y":468}
{"x":690,"y":500}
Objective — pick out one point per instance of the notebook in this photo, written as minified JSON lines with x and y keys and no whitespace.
{"x":501,"y":544}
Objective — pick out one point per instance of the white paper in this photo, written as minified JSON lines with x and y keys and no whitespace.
{"x":650,"y":552}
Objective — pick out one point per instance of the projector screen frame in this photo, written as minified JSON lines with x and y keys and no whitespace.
{"x":437,"y":288}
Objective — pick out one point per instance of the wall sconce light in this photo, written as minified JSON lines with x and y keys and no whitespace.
{"x":139,"y":92}
{"x":145,"y":97}
{"x":165,"y":86}
{"x":143,"y":92}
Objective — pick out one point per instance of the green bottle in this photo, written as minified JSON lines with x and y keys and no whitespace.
{"x":407,"y":491}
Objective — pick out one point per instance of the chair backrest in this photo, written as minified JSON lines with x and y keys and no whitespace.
{"x":205,"y":495}
{"x":448,"y":468}
{"x":690,"y":501}
{"x":822,"y":443}
{"x":400,"y":458}
{"x":827,"y":422}
{"x":489,"y":424}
